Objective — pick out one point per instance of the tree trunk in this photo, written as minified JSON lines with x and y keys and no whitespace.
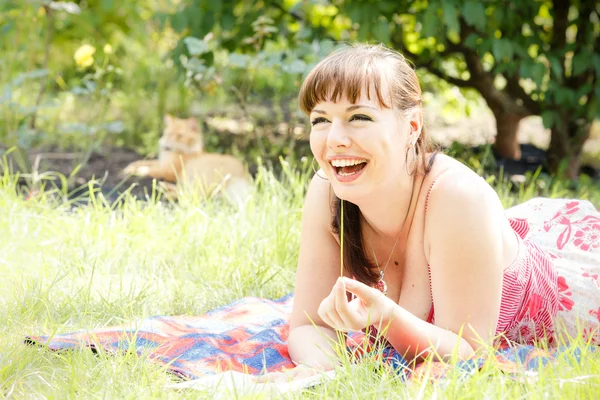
{"x":507,"y":125}
{"x":566,"y":146}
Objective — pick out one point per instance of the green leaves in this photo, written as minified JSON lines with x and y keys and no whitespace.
{"x":195,"y":46}
{"x":381,"y":30}
{"x":471,"y":41}
{"x":450,"y":16}
{"x":502,"y":49}
{"x":239,"y":60}
{"x":296,"y":66}
{"x":548,"y":118}
{"x":596,"y":63}
{"x":556,"y":67}
{"x":473,"y":12}
{"x":564,"y":96}
{"x":533,"y":70}
{"x":582,"y":61}
{"x":430,"y":23}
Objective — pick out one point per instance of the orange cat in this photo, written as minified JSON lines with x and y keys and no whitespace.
{"x":183,"y":161}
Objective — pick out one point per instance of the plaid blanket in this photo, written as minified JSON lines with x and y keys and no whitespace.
{"x":248,"y":336}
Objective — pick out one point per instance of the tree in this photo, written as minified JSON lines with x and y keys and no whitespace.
{"x":525,"y":58}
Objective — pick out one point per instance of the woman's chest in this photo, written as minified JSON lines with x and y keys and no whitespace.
{"x":407,"y":273}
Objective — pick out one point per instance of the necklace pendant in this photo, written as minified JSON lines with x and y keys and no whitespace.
{"x":381,"y":286}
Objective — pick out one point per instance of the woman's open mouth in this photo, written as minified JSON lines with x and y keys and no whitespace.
{"x":348,"y":169}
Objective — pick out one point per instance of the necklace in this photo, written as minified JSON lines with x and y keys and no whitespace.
{"x":381,"y":285}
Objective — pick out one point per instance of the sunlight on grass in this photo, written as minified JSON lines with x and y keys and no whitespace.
{"x":67,"y":268}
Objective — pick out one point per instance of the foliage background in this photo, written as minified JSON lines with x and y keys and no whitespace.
{"x":97,"y":74}
{"x":83,"y":89}
{"x":84,"y":85}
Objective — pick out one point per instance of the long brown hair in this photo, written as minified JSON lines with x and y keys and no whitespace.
{"x":347,"y":72}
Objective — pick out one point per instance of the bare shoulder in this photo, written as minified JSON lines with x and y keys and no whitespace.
{"x":455,"y":186}
{"x":318,"y":204}
{"x":459,"y":201}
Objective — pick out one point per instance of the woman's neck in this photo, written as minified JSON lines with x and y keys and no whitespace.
{"x":385,"y":213}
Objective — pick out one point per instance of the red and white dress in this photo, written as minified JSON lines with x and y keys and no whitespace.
{"x":568,"y":232}
{"x":553,"y":285}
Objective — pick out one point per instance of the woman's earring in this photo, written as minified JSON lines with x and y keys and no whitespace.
{"x":414,"y":165}
{"x":312,"y":164}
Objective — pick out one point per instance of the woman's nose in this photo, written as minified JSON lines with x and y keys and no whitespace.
{"x":338,"y":136}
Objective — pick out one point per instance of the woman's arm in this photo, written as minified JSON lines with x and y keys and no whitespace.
{"x":318,"y":269}
{"x":409,"y":335}
{"x":465,"y":249}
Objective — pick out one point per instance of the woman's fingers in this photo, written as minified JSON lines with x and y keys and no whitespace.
{"x":366,"y":293}
{"x":327,"y":312}
{"x":336,"y":311}
{"x":350,"y":321}
{"x":380,"y":307}
{"x":336,"y":322}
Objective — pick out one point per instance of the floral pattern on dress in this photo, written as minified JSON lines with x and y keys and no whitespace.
{"x":596,"y":313}
{"x":591,"y":335}
{"x":568,"y":231}
{"x":564,"y":295}
{"x":594,"y":277}
{"x":523,"y":332}
{"x":588,"y":237}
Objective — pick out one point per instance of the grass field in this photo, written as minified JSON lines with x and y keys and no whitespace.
{"x":66,"y":268}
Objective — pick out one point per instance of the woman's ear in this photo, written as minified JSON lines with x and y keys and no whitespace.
{"x":415,"y":121}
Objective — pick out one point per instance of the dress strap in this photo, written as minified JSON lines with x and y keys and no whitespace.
{"x":431,"y":316}
{"x":432,"y":186}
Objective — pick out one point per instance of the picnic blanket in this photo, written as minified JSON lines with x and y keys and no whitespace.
{"x":249,"y":336}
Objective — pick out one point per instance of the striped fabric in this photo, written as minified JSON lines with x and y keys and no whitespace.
{"x":553,"y":285}
{"x":529,"y":294}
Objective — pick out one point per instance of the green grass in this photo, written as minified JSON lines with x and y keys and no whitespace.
{"x":66,"y":268}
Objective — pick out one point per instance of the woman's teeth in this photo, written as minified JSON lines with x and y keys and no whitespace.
{"x":342,"y":173}
{"x":346,"y":167}
{"x":347,"y":162}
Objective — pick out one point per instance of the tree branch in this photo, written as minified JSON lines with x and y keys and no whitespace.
{"x":278,"y":6}
{"x":463,"y":83}
{"x":560,"y":22}
{"x":515,"y":90}
{"x":484,"y":82}
{"x":398,"y":43}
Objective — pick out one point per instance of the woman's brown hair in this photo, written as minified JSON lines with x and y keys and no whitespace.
{"x":347,"y":72}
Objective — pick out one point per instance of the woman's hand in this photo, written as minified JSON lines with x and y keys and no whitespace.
{"x":369,"y":306}
{"x":300,"y":372}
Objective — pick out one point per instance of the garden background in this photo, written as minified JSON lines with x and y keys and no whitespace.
{"x":510,"y":88}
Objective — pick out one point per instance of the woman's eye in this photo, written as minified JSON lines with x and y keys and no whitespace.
{"x":360,"y":117}
{"x":318,"y":120}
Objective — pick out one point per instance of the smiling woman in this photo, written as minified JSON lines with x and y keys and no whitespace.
{"x":490,"y":277}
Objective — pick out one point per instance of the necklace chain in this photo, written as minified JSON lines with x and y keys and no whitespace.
{"x":381,"y":285}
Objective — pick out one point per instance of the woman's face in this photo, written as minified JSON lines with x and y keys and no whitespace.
{"x":361,"y":147}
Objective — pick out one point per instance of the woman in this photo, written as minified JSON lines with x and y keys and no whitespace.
{"x":430,"y":258}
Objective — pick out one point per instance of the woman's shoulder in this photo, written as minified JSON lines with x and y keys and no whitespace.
{"x":320,"y":192}
{"x":453,"y":188}
{"x":451,"y":179}
{"x":319,"y":201}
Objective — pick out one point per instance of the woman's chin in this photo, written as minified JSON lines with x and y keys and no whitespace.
{"x":353,"y":194}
